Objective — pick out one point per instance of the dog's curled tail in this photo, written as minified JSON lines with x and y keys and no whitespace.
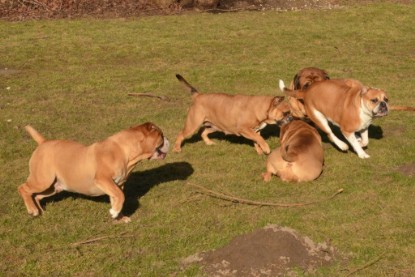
{"x":193,"y":90}
{"x":289,"y":92}
{"x":402,"y":108}
{"x":35,"y":134}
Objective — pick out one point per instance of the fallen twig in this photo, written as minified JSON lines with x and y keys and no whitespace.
{"x":370,"y":263}
{"x":148,"y":95}
{"x":122,"y":235}
{"x":234,"y":199}
{"x":402,"y":108}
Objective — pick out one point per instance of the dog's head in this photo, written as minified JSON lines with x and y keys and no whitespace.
{"x":375,"y":101}
{"x":279,"y":111}
{"x":154,"y":145}
{"x":306,"y":76}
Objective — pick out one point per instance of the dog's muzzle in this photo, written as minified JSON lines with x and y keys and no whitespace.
{"x":285,"y":120}
{"x":161,"y":151}
{"x":382,"y":109}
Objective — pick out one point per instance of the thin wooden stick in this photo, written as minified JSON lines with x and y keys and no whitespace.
{"x":370,"y":263}
{"x":402,"y":108}
{"x":122,"y":235}
{"x":148,"y":95}
{"x":233,"y":199}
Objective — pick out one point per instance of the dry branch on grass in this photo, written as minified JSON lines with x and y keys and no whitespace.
{"x":149,"y":95}
{"x":92,"y":240}
{"x":234,"y":199}
{"x":370,"y":263}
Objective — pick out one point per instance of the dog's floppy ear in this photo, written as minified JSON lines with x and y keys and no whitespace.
{"x":326,"y":75}
{"x":296,"y":81}
{"x":364,"y":90}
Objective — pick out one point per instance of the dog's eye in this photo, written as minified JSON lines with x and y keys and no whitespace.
{"x":374,"y":100}
{"x":386,"y":100}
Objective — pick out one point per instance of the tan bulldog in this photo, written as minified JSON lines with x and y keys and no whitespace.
{"x":300,"y":157}
{"x":94,"y":170}
{"x":346,"y":103}
{"x":241,"y":115}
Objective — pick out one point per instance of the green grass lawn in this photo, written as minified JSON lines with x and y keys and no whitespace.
{"x":70,"y":79}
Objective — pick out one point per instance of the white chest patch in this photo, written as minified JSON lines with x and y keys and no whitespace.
{"x":365,"y":117}
{"x":260,"y":127}
{"x":117,"y":179}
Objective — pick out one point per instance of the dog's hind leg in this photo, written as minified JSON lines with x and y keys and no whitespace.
{"x":321,"y":121}
{"x":27,"y":194}
{"x":208,"y":130}
{"x":47,"y":193}
{"x":37,"y":182}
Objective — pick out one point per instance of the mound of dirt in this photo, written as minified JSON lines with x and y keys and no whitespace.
{"x":271,"y":251}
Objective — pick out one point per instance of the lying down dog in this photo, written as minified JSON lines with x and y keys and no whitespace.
{"x":300,"y":157}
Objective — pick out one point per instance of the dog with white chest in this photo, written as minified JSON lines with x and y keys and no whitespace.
{"x":346,"y":103}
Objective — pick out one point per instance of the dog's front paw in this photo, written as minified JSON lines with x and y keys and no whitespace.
{"x":177,"y":149}
{"x":263,"y":149}
{"x":258,"y":149}
{"x":114,"y":213}
{"x":122,"y":219}
{"x":363,"y":155}
{"x":342,"y":146}
{"x":266,"y":176}
{"x":34,"y":212}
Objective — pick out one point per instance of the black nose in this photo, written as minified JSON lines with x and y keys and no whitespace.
{"x":383,"y":104}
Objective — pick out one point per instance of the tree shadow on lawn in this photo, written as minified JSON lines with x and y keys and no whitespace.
{"x":266,"y":133}
{"x":137,"y":185}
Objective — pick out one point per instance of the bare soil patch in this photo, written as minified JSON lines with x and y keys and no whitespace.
{"x":408,"y":169}
{"x":271,"y":251}
{"x":41,"y":9}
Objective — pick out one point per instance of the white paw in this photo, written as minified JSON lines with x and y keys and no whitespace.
{"x":114,"y":213}
{"x":343,"y":146}
{"x":363,"y":155}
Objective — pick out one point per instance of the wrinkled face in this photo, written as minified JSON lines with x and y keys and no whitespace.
{"x":309,"y":75}
{"x":154,"y":142}
{"x":278,"y":111}
{"x":376,"y":101}
{"x":161,"y":151}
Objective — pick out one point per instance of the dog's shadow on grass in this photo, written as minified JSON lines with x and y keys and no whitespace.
{"x":375,"y":132}
{"x":266,"y":133}
{"x":137,"y":185}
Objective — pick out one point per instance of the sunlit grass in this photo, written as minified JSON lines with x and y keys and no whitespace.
{"x":72,"y":81}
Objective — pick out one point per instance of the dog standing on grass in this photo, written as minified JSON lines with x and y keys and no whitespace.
{"x":305,"y":77}
{"x":241,"y":115}
{"x":300,"y":157}
{"x":346,"y":103}
{"x":95,"y":170}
